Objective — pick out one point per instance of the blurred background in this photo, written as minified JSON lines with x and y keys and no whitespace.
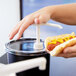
{"x":11,"y":11}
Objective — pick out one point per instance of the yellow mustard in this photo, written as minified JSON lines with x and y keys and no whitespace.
{"x":61,"y":40}
{"x":73,"y":36}
{"x":52,"y":43}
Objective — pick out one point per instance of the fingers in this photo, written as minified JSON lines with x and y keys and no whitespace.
{"x":64,"y":55}
{"x":21,"y":30}
{"x":15,"y":30}
{"x":71,"y":49}
{"x":72,"y":55}
{"x":23,"y":27}
{"x":25,"y":23}
{"x":20,"y":27}
{"x":68,"y":52}
{"x":60,"y":55}
{"x":68,"y":55}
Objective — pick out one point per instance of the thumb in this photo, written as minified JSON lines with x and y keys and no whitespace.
{"x":71,"y":49}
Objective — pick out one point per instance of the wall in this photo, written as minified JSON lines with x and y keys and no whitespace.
{"x":9,"y":16}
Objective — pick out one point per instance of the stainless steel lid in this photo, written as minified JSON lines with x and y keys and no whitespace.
{"x":22,"y":46}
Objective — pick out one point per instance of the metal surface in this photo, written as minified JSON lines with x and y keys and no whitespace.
{"x":22,"y":46}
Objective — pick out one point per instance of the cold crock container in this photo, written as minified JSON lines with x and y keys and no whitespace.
{"x":22,"y":49}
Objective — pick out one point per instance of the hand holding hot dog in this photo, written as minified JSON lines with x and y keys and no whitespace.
{"x":56,"y":44}
{"x":62,"y":45}
{"x":68,"y":52}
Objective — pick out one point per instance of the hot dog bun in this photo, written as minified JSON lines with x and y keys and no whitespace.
{"x":58,"y":49}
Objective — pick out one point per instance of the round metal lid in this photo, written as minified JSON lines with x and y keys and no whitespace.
{"x":24,"y":45}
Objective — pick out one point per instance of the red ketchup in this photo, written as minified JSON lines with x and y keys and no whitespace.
{"x":52,"y":46}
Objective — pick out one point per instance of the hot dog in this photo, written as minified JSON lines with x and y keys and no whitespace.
{"x":56,"y":44}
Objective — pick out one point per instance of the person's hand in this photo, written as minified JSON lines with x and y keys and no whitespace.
{"x":58,"y":13}
{"x":38,"y":17}
{"x":68,"y":52}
